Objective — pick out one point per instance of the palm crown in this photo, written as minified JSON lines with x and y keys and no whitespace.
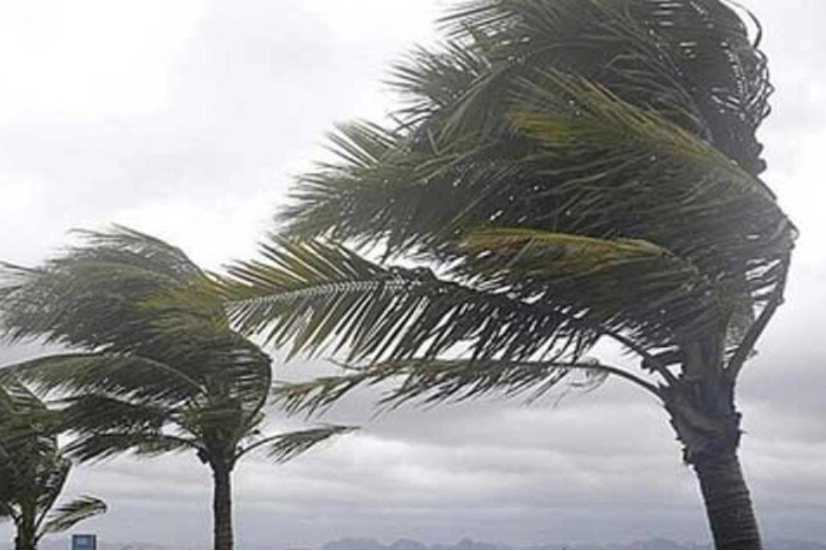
{"x":562,"y":171}
{"x":570,"y":170}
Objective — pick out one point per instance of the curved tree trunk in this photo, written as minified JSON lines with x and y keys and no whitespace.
{"x":222,"y":507}
{"x":728,"y":504}
{"x":703,"y":414}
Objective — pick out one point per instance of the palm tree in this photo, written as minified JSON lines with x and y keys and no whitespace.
{"x":153,"y":374}
{"x":33,"y":470}
{"x":563,"y":172}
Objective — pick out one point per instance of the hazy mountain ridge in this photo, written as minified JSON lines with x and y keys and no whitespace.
{"x":467,"y":543}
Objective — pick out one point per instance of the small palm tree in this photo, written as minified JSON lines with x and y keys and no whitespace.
{"x":564,"y":171}
{"x":155,"y":374}
{"x":33,"y":470}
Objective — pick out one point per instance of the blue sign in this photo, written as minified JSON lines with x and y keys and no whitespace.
{"x":84,"y":541}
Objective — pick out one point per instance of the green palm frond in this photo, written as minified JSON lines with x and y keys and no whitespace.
{"x":692,"y":59}
{"x":15,"y":397}
{"x":664,"y":298}
{"x":435,"y":381}
{"x":286,"y":446}
{"x":104,"y":445}
{"x":360,"y":144}
{"x":26,"y":425}
{"x":430,"y":81}
{"x":52,"y":473}
{"x":117,"y":375}
{"x":569,"y":114}
{"x":99,"y":413}
{"x":92,"y":295}
{"x":315,"y":295}
{"x":364,"y":188}
{"x":78,"y":510}
{"x":122,"y":245}
{"x":556,"y":254}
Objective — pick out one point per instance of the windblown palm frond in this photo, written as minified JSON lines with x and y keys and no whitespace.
{"x":78,"y":510}
{"x":52,"y":473}
{"x":691,"y":58}
{"x":109,"y":374}
{"x":313,"y":294}
{"x":434,"y":381}
{"x":88,"y":446}
{"x":108,"y":277}
{"x":289,"y":445}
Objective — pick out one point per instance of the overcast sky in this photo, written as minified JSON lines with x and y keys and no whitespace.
{"x":186,"y":120}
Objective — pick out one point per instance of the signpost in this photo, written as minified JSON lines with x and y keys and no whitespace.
{"x":84,"y":541}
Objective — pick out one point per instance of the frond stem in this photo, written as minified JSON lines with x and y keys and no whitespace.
{"x":621,"y":373}
{"x":251,"y":447}
{"x":739,"y":358}
{"x":656,"y":364}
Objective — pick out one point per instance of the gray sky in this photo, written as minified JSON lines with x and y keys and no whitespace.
{"x":186,"y":119}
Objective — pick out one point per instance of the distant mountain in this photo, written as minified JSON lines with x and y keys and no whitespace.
{"x":407,"y":544}
{"x":364,"y":543}
{"x":404,"y":544}
{"x":654,"y":543}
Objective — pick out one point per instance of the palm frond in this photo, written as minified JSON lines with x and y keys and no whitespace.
{"x":100,"y":413}
{"x":567,"y":113}
{"x":51,"y":475}
{"x":103,"y":445}
{"x":427,"y":381}
{"x":78,"y":510}
{"x":125,"y":245}
{"x":15,"y":397}
{"x":315,"y":295}
{"x":286,"y":446}
{"x":446,"y":85}
{"x":27,"y":427}
{"x":118,"y":375}
{"x":90,"y":296}
{"x":664,"y":298}
{"x":693,"y":59}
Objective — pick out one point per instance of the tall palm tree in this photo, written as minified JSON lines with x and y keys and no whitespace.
{"x":149,"y":374}
{"x":563,"y":171}
{"x":33,"y":470}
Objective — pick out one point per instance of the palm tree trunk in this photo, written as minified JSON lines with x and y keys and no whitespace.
{"x":728,"y":504}
{"x":222,"y":507}
{"x":26,"y":537}
{"x":703,"y":414}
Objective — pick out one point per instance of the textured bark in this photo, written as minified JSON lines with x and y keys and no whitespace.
{"x":222,"y":507}
{"x":703,"y":414}
{"x":728,"y":504}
